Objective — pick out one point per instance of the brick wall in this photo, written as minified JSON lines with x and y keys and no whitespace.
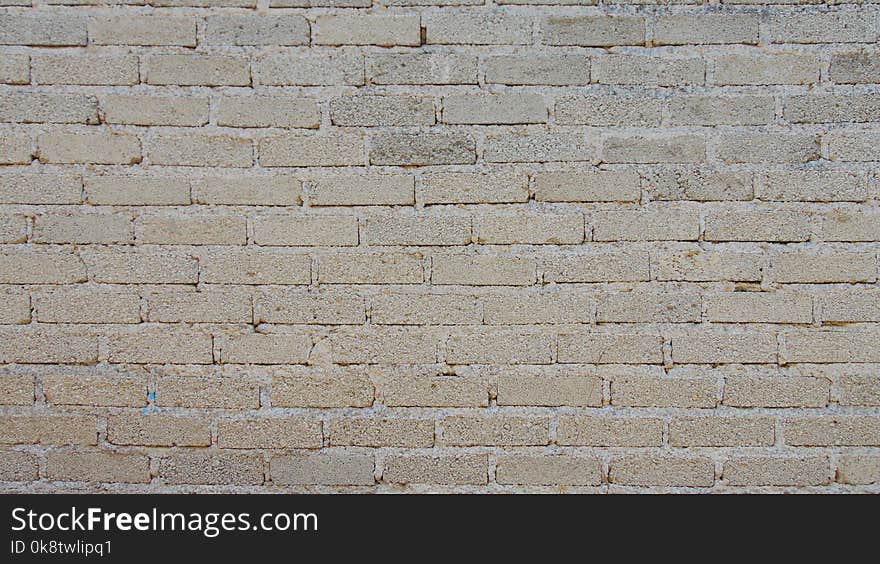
{"x":439,"y":245}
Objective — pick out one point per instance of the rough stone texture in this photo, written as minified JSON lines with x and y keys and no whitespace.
{"x":440,"y":246}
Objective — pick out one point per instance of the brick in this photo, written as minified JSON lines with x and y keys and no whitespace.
{"x":402,"y":388}
{"x":208,"y":306}
{"x":832,"y":108}
{"x":27,"y":265}
{"x":773,"y":225}
{"x":119,"y":190}
{"x":810,"y":186}
{"x":495,"y":346}
{"x":491,"y":109}
{"x":161,"y":345}
{"x":42,"y":29}
{"x":830,"y":346}
{"x":650,"y":307}
{"x":187,"y":111}
{"x":87,"y":304}
{"x":494,"y":430}
{"x":13,"y":228}
{"x":121,"y":265}
{"x":142,"y":30}
{"x":658,"y":224}
{"x":619,"y":266}
{"x":254,"y":190}
{"x":717,"y":110}
{"x":263,"y":348}
{"x":212,"y":468}
{"x":310,"y":68}
{"x":371,"y":111}
{"x":858,"y":469}
{"x":364,"y":268}
{"x":331,"y":387}
{"x":592,"y":31}
{"x":18,"y":389}
{"x":841,"y":225}
{"x":648,"y":71}
{"x":598,"y":186}
{"x":642,"y":391}
{"x":256,"y":29}
{"x":15,"y":69}
{"x":609,"y":431}
{"x":421,"y":229}
{"x":364,"y":190}
{"x":49,"y":429}
{"x":549,"y":470}
{"x":84,"y":228}
{"x":854,"y":68}
{"x":853,"y":146}
{"x":721,"y":431}
{"x":461,"y":469}
{"x":332,"y":469}
{"x":93,"y":148}
{"x":524,"y":147}
{"x":14,"y":308}
{"x":18,"y":466}
{"x":849,"y":26}
{"x":775,"y":391}
{"x":474,"y":188}
{"x":863,"y":390}
{"x":711,"y":28}
{"x":158,"y":430}
{"x":240,"y":266}
{"x":312,"y":150}
{"x":766,"y":147}
{"x":421,"y":68}
{"x":297,"y":307}
{"x":197,"y":70}
{"x":834,"y":430}
{"x":759,"y":307}
{"x":698,"y":184}
{"x":765,"y":69}
{"x":533,"y":307}
{"x":557,"y":388}
{"x":85,"y":69}
{"x":228,"y":393}
{"x":381,"y":432}
{"x":603,"y":110}
{"x":529,"y":229}
{"x":602,"y":348}
{"x":644,"y":149}
{"x":200,"y":150}
{"x":490,"y":28}
{"x":269,"y":432}
{"x":716,"y":347}
{"x":47,"y":345}
{"x":26,"y":106}
{"x":191,"y":229}
{"x":849,"y":306}
{"x":306,"y":231}
{"x":268,"y":111}
{"x":653,"y":470}
{"x":533,"y":70}
{"x":379,"y":30}
{"x":76,"y":465}
{"x":383,"y":346}
{"x":421,"y":149}
{"x":483,"y":270}
{"x":812,"y":267}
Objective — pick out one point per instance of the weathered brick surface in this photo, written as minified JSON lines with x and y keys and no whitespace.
{"x":440,"y":245}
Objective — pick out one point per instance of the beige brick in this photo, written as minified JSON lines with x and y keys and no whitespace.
{"x":657,"y":224}
{"x":850,"y":306}
{"x":605,"y":348}
{"x":642,"y":391}
{"x":298,"y":307}
{"x":836,"y":430}
{"x":845,"y":225}
{"x":461,"y":469}
{"x":26,"y":265}
{"x":261,"y":348}
{"x":524,"y":147}
{"x":118,"y":190}
{"x":77,"y":465}
{"x":40,"y":188}
{"x":310,"y":68}
{"x":551,"y":470}
{"x":15,"y":307}
{"x":18,"y":466}
{"x":46,"y":345}
{"x":653,"y":470}
{"x":859,"y":389}
{"x":188,"y":111}
{"x":629,"y":111}
{"x":256,"y":29}
{"x":122,"y":265}
{"x":269,"y":432}
{"x":268,"y":111}
{"x":648,"y":71}
{"x":600,"y":186}
{"x":18,"y":389}
{"x":212,"y":468}
{"x":381,"y":432}
{"x":325,"y":387}
{"x":371,"y":268}
{"x":766,"y":147}
{"x":854,"y":68}
{"x":810,"y":186}
{"x":759,"y":307}
{"x":775,"y":391}
{"x":654,"y":149}
{"x":716,"y":110}
{"x":773,"y":225}
{"x":710,"y":28}
{"x":716,"y":347}
{"x":254,"y":190}
{"x":765,"y":69}
{"x":490,"y":28}
{"x":494,"y":430}
{"x":812,"y":267}
{"x":702,"y":185}
{"x":830,"y":346}
{"x":49,"y":429}
{"x":491,"y":109}
{"x":240,"y":266}
{"x":609,"y":431}
{"x":91,"y":148}
{"x":191,"y":229}
{"x":16,"y":147}
{"x":87,"y":304}
{"x":421,"y":68}
{"x":379,"y":30}
{"x":200,"y":150}
{"x":721,"y":431}
{"x":402,"y":388}
{"x":83,"y":228}
{"x":421,"y":229}
{"x":853,"y":145}
{"x":207,"y":306}
{"x":533,"y":307}
{"x":483,"y":270}
{"x":526,"y":387}
{"x":498,"y":346}
{"x":28,"y":106}
{"x":85,"y":68}
{"x":609,"y":266}
{"x":42,"y":29}
{"x":312,"y":150}
{"x":160,"y":345}
{"x":158,"y":430}
{"x":364,"y":190}
{"x":13,"y":228}
{"x":777,"y":471}
{"x":851,"y":26}
{"x":552,"y":70}
{"x":289,"y":230}
{"x":15,"y":69}
{"x":383,"y":346}
{"x":474,"y":188}
{"x":858,"y":469}
{"x":228,"y":393}
{"x":829,"y":108}
{"x":592,"y":31}
{"x":197,"y":70}
{"x":142,"y":30}
{"x":650,"y":307}
{"x":333,"y":469}
{"x":529,"y":228}
{"x":420,"y":309}
{"x":422,"y":149}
